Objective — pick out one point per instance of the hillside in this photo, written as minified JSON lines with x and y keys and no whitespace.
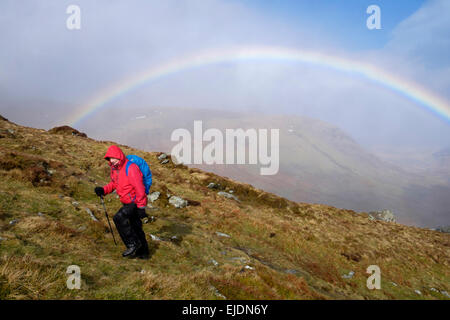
{"x":319,"y":162}
{"x":259,"y":247}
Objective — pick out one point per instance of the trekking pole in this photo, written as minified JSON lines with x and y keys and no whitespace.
{"x":106,"y":213}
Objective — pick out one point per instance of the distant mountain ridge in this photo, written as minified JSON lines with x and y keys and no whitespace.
{"x":319,"y":163}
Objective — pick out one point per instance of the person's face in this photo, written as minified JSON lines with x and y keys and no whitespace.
{"x":114,"y":161}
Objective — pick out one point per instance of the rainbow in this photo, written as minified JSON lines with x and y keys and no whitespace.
{"x":416,"y":93}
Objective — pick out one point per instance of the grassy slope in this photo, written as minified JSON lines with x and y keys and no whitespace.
{"x":297,"y":250}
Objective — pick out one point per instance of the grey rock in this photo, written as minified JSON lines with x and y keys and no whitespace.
{"x":213,"y":185}
{"x":154,"y":196}
{"x":178,"y":202}
{"x":443,"y":229}
{"x":394,"y":284}
{"x":220,"y":234}
{"x":13,"y":222}
{"x":75,"y":204}
{"x":214,"y":262}
{"x":383,"y":215}
{"x":249,"y":268}
{"x":434,"y":289}
{"x":227,"y":195}
{"x":418,"y":292}
{"x":349,"y":275}
{"x":162,"y":156}
{"x":91,"y":214}
{"x":165,"y":161}
{"x":445,"y":293}
{"x":40,"y":214}
{"x":82,"y":228}
{"x":155,"y":238}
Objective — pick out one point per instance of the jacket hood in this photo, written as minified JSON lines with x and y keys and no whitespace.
{"x":115,"y":152}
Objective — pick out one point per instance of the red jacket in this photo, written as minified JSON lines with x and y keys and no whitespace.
{"x":129,"y":188}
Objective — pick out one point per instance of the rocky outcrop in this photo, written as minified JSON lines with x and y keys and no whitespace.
{"x":227,"y":195}
{"x":383,"y":215}
{"x":66,"y":130}
{"x":444,"y":229}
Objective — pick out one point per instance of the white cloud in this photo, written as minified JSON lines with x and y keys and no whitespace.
{"x":424,"y":37}
{"x":119,"y":38}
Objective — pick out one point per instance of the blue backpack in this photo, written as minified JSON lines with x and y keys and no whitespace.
{"x":145,"y":169}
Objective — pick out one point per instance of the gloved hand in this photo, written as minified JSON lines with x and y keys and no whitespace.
{"x":99,"y":191}
{"x":141,"y":213}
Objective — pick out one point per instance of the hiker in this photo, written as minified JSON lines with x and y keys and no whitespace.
{"x":128,"y":183}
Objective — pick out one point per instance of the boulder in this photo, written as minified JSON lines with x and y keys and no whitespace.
{"x":155,"y":238}
{"x":349,"y":275}
{"x":383,"y":215}
{"x":444,"y":229}
{"x":227,"y":195}
{"x":213,"y":185}
{"x":154,"y":196}
{"x":178,"y":202}
{"x":214,"y":262}
{"x":162,"y":156}
{"x":220,"y":234}
{"x":91,"y":214}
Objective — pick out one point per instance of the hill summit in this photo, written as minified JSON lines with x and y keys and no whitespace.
{"x":210,"y":237}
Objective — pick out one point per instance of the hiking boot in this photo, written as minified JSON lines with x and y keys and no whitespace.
{"x":131,"y":250}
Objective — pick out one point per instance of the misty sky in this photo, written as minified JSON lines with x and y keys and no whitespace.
{"x":44,"y":63}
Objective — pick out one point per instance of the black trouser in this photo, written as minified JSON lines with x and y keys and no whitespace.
{"x":129,"y":226}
